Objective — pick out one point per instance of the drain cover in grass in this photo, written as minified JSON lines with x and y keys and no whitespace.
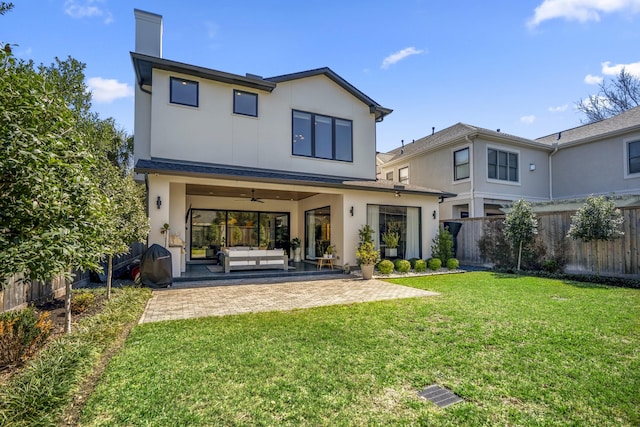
{"x":440,"y":396}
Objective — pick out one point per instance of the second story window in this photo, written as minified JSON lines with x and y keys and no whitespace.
{"x":502,"y":165}
{"x":183,"y":92}
{"x":461,"y":164}
{"x":320,"y":136}
{"x":403,"y":175}
{"x":634,"y":157}
{"x":390,"y":175}
{"x":245,"y":103}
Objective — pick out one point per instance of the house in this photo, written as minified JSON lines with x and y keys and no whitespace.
{"x":489,"y":169}
{"x":246,"y":161}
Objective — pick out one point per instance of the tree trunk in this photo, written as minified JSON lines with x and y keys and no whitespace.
{"x":67,"y":305}
{"x":519,"y":255}
{"x":109,"y":276}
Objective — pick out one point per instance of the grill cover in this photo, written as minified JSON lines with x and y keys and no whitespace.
{"x":155,"y":267}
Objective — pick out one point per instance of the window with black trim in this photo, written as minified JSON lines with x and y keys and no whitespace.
{"x":502,"y":165}
{"x":324,"y":137}
{"x":403,"y":175}
{"x":633,"y":150}
{"x":390,"y":175}
{"x":245,"y":103}
{"x":183,"y":92}
{"x":461,"y":164}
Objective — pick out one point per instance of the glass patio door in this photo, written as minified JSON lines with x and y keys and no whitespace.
{"x":317,"y":232}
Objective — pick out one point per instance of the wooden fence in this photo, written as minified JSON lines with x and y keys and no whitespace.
{"x":619,"y":257}
{"x":18,"y":293}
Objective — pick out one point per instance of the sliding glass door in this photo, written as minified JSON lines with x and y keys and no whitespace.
{"x":402,"y":219}
{"x":317,"y":232}
{"x":212,"y":230}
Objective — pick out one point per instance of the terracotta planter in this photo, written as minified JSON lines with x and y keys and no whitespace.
{"x":367,"y":271}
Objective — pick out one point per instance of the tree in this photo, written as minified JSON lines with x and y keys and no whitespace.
{"x":52,"y":210}
{"x":615,"y":97}
{"x":598,"y":219}
{"x":442,"y":245}
{"x":521,"y":226}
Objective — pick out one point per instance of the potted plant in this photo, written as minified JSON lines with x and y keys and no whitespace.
{"x":367,"y":254}
{"x":391,"y":240}
{"x":165,"y":231}
{"x":296,"y":247}
{"x":329,"y":251}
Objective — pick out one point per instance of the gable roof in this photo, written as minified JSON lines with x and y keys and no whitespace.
{"x":454,"y":134}
{"x":374,"y":107}
{"x":144,"y":64}
{"x":623,"y":122}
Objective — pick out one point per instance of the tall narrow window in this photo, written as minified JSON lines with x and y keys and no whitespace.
{"x":461,"y":164}
{"x":245,"y":103}
{"x":323,"y":137}
{"x":502,"y":165}
{"x":302,"y":134}
{"x":634,"y":157}
{"x":390,"y":175}
{"x":403,"y":175}
{"x":183,"y":92}
{"x":344,"y":143}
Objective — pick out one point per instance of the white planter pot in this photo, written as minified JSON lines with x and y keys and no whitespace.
{"x":367,"y":271}
{"x":390,"y":252}
{"x":296,"y":254}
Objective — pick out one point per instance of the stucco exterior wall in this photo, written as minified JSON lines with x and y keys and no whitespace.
{"x":594,"y":168}
{"x":212,"y":133}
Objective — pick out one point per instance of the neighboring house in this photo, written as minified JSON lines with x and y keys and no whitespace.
{"x":233,"y":160}
{"x":485,"y":169}
{"x":490,"y":169}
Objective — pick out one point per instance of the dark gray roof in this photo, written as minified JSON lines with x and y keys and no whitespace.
{"x":621,"y":123}
{"x":374,"y":107}
{"x":164,"y":166}
{"x":144,"y":64}
{"x":454,"y":134}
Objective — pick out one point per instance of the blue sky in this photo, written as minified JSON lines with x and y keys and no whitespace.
{"x":516,"y":65}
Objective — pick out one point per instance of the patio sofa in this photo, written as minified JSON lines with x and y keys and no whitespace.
{"x":254,"y":259}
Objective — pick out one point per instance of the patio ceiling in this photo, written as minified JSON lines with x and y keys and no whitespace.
{"x":245,"y":192}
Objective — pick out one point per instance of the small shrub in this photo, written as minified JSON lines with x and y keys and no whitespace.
{"x":413,"y":262}
{"x":452,"y":264}
{"x":403,"y":266}
{"x":82,"y":301}
{"x":385,"y":267}
{"x":21,"y":334}
{"x":551,"y":266}
{"x":434,"y":264}
{"x":442,"y":245}
{"x":420,"y":266}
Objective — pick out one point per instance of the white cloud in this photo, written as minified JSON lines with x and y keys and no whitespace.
{"x":613,"y":70}
{"x":592,"y":80}
{"x":108,"y":90}
{"x":399,"y":56}
{"x":79,"y":9}
{"x":580,"y":10}
{"x":559,"y":108}
{"x":528,"y":119}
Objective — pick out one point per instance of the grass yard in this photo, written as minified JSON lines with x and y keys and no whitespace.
{"x":519,"y":350}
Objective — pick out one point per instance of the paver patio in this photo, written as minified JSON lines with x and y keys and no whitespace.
{"x":201,"y":299}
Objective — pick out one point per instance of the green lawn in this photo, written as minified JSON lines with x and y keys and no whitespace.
{"x":519,"y":350}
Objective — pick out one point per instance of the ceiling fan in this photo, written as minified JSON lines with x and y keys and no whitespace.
{"x":253,"y":197}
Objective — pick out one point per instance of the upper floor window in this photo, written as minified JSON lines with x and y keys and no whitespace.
{"x":183,"y":92}
{"x":245,"y":103}
{"x":502,"y":165}
{"x":390,"y":175}
{"x":403,"y":175}
{"x":461,"y":164}
{"x":324,"y":137}
{"x":634,"y":157}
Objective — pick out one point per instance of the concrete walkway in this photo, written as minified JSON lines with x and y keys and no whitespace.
{"x":201,"y":299}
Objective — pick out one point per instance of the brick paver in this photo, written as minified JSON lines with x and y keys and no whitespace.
{"x":235,"y":297}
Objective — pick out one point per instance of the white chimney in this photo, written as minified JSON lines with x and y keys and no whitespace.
{"x":148,"y":33}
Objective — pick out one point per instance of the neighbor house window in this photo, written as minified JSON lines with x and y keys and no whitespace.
{"x":390,"y":175}
{"x":403,"y":174}
{"x":245,"y":103}
{"x":502,"y":165}
{"x":320,"y":136}
{"x":634,"y":157}
{"x":461,"y":164}
{"x":183,"y":92}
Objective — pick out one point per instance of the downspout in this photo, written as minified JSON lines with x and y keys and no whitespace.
{"x":555,"y":150}
{"x":472,"y":212}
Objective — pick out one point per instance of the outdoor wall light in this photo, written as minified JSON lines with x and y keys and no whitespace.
{"x":158,"y":202}
{"x":351,"y":211}
{"x":397,"y":194}
{"x":434,"y":214}
{"x":532,"y":167}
